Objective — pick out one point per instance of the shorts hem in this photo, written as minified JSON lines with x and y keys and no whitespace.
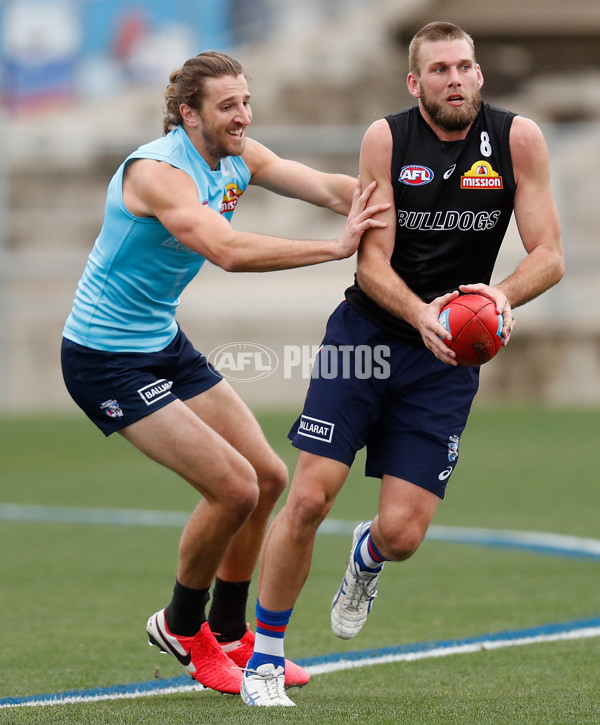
{"x":136,"y":419}
{"x":331,"y":454}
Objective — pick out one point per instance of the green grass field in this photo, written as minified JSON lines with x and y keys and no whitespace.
{"x":75,"y":596}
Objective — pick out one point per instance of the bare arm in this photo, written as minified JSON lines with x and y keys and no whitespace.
{"x":537,"y":221}
{"x":296,"y":180}
{"x":156,"y":189}
{"x":375,"y":274}
{"x":536,"y":217}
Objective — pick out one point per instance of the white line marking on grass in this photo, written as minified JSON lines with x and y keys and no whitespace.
{"x":445,"y":649}
{"x":537,"y":542}
{"x":333,"y":663}
{"x":546,"y":543}
{"x":117,"y":693}
{"x":106,"y":517}
{"x":541,"y":542}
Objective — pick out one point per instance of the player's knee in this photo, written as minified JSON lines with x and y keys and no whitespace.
{"x":249,"y":499}
{"x":273,"y":481}
{"x":240,"y":494}
{"x":399,"y":545}
{"x":307,"y":509}
{"x":242,"y":508}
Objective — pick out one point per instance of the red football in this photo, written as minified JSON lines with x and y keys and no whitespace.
{"x":476,"y":329}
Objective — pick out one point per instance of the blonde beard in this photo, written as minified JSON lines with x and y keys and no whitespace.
{"x":452,"y":119}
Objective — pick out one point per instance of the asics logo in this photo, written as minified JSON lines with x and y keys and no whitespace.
{"x":445,"y":473}
{"x":251,"y":697}
{"x":450,"y":171}
{"x":341,"y":592}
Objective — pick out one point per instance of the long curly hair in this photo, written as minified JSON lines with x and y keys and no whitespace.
{"x":187,"y":84}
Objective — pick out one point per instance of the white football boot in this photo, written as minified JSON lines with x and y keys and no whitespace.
{"x":353,"y":600}
{"x":265,"y":687}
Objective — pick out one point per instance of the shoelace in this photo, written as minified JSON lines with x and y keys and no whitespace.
{"x":271,"y":683}
{"x":361,"y":592}
{"x":211,"y":648}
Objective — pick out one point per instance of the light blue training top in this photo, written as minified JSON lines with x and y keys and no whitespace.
{"x":129,"y":292}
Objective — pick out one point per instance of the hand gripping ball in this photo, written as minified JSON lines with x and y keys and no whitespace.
{"x":476,"y":329}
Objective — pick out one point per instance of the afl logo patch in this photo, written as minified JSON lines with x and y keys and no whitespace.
{"x":415,"y":175}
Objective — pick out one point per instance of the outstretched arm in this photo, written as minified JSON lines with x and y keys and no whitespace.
{"x":296,"y":180}
{"x":157,"y":189}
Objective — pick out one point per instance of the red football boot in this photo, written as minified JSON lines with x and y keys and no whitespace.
{"x":200,"y":655}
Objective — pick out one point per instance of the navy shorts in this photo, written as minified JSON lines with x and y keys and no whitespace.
{"x":368,"y":388}
{"x":115,"y":389}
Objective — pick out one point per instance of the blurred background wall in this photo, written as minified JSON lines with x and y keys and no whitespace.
{"x":81,"y":85}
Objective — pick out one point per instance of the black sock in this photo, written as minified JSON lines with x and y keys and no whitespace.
{"x":185,"y":613}
{"x":227,"y":615}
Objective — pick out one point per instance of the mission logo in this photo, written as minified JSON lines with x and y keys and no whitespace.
{"x":230,"y":198}
{"x":481,"y":176}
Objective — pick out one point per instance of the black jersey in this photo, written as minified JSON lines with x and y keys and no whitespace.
{"x":454,"y":200}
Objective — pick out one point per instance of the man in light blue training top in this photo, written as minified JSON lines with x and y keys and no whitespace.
{"x":131,"y":369}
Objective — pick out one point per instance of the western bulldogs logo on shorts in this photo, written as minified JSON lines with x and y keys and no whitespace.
{"x":112,"y":409}
{"x":453,"y":443}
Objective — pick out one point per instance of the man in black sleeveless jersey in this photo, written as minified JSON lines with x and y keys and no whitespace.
{"x":454,"y":169}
